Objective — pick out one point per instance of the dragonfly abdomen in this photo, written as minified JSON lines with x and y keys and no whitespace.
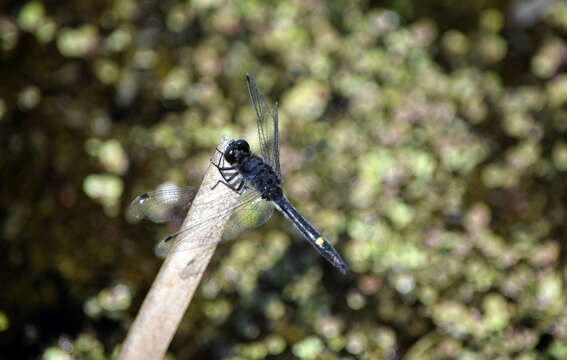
{"x":311,"y":234}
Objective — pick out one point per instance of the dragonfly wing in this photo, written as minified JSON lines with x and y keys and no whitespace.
{"x":175,"y":243}
{"x":267,"y":125}
{"x":166,"y":204}
{"x":276,"y":144}
{"x":249,"y":216}
{"x":249,"y":213}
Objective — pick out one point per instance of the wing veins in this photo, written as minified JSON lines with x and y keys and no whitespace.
{"x":176,"y":245}
{"x":262,"y":114}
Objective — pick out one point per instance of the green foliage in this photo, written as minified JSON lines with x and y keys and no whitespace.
{"x":431,"y":153}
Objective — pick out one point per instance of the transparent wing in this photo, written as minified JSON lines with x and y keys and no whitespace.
{"x":248,"y":213}
{"x":166,"y":204}
{"x":267,"y":125}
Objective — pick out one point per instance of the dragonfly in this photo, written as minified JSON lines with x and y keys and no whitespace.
{"x":256,"y":178}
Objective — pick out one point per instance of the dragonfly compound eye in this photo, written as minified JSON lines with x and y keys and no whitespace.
{"x":242,"y":146}
{"x":234,"y":149}
{"x":230,"y":154}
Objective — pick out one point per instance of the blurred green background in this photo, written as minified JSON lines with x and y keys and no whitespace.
{"x":425,"y":139}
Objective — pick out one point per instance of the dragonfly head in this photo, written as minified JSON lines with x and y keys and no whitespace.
{"x":236,"y":151}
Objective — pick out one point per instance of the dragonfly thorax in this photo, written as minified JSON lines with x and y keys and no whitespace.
{"x":261,"y":176}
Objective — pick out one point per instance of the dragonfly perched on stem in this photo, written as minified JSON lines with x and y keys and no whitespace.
{"x":256,"y":178}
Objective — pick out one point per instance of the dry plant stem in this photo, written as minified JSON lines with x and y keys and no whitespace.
{"x":170,"y":295}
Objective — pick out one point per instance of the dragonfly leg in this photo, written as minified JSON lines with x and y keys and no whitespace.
{"x":236,"y":188}
{"x":240,"y":186}
{"x":222,"y":168}
{"x":223,"y":172}
{"x":230,"y":177}
{"x":221,"y":158}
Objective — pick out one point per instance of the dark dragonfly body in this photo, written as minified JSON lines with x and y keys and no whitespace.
{"x":262,"y":177}
{"x":253,"y":170}
{"x":256,"y":178}
{"x":311,"y":234}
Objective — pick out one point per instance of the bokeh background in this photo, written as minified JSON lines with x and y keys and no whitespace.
{"x":426,"y":139}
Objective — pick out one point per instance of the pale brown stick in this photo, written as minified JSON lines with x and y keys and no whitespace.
{"x":170,"y":295}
